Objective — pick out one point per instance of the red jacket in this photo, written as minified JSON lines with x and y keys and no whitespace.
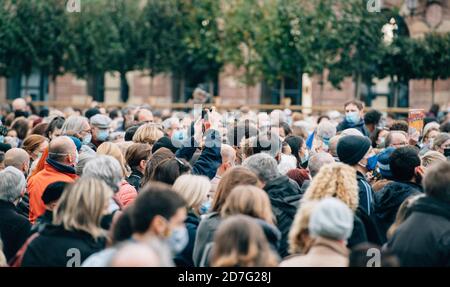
{"x":126,"y":194}
{"x":39,"y":182}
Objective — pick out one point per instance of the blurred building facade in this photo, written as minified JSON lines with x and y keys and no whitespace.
{"x":424,"y":17}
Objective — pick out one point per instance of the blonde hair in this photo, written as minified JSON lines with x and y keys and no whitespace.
{"x":193,"y":188}
{"x":335,"y":180}
{"x":432,"y":157}
{"x":248,"y":200}
{"x":82,"y":206}
{"x":112,"y":149}
{"x":148,"y":133}
{"x":299,"y":229}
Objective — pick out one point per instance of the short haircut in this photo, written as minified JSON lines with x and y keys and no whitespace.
{"x":317,"y":161}
{"x":12,"y":183}
{"x":388,"y":139}
{"x":437,"y":181}
{"x":136,"y":153}
{"x":154,"y":199}
{"x":403,"y":162}
{"x":358,"y":104}
{"x":129,"y":133}
{"x":400,"y":125}
{"x":263,"y":165}
{"x":372,"y":117}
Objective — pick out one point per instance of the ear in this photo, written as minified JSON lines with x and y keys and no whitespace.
{"x":142,"y":164}
{"x":157,"y":226}
{"x":226,"y":166}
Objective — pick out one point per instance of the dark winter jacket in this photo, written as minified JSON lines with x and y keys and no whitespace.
{"x":57,"y":247}
{"x":135,"y":178}
{"x":205,"y":235}
{"x":364,"y":230}
{"x":359,"y":126}
{"x":388,"y":201}
{"x":365,"y":193}
{"x":184,"y":259}
{"x":284,"y":195}
{"x":424,"y":238}
{"x":14,"y":229}
{"x":42,"y":221}
{"x":210,"y":158}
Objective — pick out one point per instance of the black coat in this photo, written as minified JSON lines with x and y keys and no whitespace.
{"x":364,"y":230}
{"x":365,"y":194}
{"x":55,"y":247}
{"x":359,"y":126}
{"x":135,"y":178}
{"x":205,"y":235}
{"x":284,"y":197}
{"x":424,"y":238}
{"x":14,"y":229}
{"x":184,"y":258}
{"x":42,"y":221}
{"x":387,"y":202}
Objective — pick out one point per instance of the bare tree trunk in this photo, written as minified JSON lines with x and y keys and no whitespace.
{"x":211,"y":88}
{"x":152,"y":85}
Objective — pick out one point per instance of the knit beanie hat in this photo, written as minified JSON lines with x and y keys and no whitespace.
{"x":331,"y":219}
{"x":164,"y":142}
{"x":384,"y":158}
{"x":299,"y":175}
{"x":53,"y":191}
{"x":351,"y":149}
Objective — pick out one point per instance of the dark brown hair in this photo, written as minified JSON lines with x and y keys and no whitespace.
{"x":137,"y":152}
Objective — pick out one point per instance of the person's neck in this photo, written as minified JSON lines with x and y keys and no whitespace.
{"x":143,"y":237}
{"x":360,"y":169}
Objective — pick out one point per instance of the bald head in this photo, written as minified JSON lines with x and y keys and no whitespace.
{"x":19,"y":105}
{"x":135,"y":255}
{"x":17,"y":158}
{"x":63,"y":150}
{"x":228,"y":153}
{"x":144,"y":116}
{"x":317,"y":161}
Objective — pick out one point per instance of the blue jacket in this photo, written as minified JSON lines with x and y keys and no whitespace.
{"x":184,"y":258}
{"x":359,"y":126}
{"x":210,"y":158}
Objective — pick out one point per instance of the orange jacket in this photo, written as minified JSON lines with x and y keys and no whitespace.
{"x":38,"y":183}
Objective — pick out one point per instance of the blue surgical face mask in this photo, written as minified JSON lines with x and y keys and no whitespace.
{"x":352,"y":117}
{"x":2,"y":138}
{"x":372,"y":162}
{"x":87,"y":139}
{"x":102,"y":135}
{"x":179,"y":239}
{"x":179,"y":135}
{"x":205,"y":207}
{"x":305,"y":157}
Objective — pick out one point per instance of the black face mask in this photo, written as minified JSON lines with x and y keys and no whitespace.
{"x":447,"y":152}
{"x":21,"y":114}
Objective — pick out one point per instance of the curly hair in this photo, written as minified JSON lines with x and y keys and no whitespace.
{"x":335,"y":180}
{"x":299,"y":233}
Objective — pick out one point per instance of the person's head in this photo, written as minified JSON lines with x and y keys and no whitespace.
{"x":35,"y":145}
{"x":112,"y":149}
{"x":403,"y":163}
{"x":356,"y":151}
{"x":52,"y":194}
{"x":12,"y":184}
{"x":167,"y":143}
{"x":100,"y":125}
{"x":400,"y":125}
{"x":287,"y":162}
{"x":232,"y":178}
{"x":19,"y":104}
{"x":135,"y":255}
{"x":170,"y":169}
{"x":334,"y":180}
{"x":372,"y":119}
{"x":351,"y":132}
{"x":82,"y":206}
{"x":331,"y":219}
{"x":39,"y":129}
{"x":299,"y":238}
{"x":404,"y":211}
{"x":268,"y":143}
{"x":284,"y":130}
{"x":441,"y":142}
{"x":248,"y":200}
{"x":155,"y":159}
{"x":158,"y":211}
{"x":317,"y":161}
{"x":143,"y":116}
{"x":432,"y":157}
{"x":63,"y":150}
{"x":384,"y":160}
{"x":361,"y":255}
{"x":148,"y":133}
{"x":77,"y":126}
{"x":430,"y":132}
{"x":18,"y":158}
{"x":194,"y":189}
{"x":137,"y":156}
{"x":21,"y":127}
{"x":129,"y":133}
{"x":379,"y":138}
{"x":171,"y":125}
{"x":299,"y":175}
{"x":228,"y":154}
{"x":263,"y":165}
{"x":322,"y":119}
{"x":298,"y":148}
{"x":437,"y":182}
{"x":83,"y":159}
{"x":445,"y":127}
{"x":396,"y":139}
{"x":240,"y":242}
{"x":106,"y":168}
{"x":332,"y":148}
{"x":354,"y":111}
{"x":325,"y":131}
{"x":54,"y":128}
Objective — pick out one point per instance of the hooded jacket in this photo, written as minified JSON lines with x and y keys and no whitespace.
{"x":284,"y":195}
{"x":359,"y":126}
{"x":424,"y":238}
{"x":388,"y":201}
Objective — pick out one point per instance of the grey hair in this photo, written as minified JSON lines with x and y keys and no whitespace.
{"x":326,"y":130}
{"x":263,"y":165}
{"x":167,"y":123}
{"x":439,"y":140}
{"x":106,"y":168}
{"x":317,"y":161}
{"x":74,"y":124}
{"x":12,"y":183}
{"x":84,"y":158}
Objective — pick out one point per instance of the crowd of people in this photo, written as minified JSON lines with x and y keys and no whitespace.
{"x":137,"y":186}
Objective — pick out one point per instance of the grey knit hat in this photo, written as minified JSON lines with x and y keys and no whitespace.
{"x":331,"y":219}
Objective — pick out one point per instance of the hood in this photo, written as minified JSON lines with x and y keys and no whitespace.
{"x":431,"y":205}
{"x":282,"y":187}
{"x":192,"y":219}
{"x":272,"y":233}
{"x":393,"y":194}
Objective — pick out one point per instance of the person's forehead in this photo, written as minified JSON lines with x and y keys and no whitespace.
{"x":398,"y":137}
{"x":351,"y":107}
